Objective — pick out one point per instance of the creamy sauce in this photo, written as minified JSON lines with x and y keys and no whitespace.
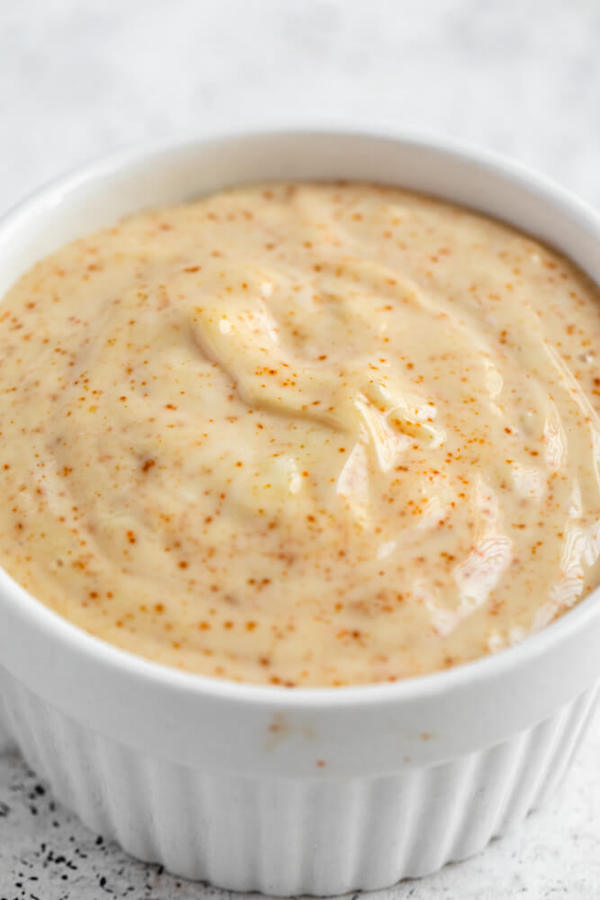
{"x":303,"y":434}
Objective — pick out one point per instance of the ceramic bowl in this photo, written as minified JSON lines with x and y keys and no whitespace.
{"x":321,"y":790}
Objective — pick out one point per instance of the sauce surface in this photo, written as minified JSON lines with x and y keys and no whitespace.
{"x":303,"y":434}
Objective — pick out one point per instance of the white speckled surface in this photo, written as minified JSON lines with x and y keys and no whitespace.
{"x":79,"y":78}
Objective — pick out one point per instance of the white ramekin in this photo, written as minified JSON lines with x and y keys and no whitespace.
{"x":262,"y":788}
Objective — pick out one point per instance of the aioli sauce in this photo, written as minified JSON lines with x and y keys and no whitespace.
{"x":303,"y":434}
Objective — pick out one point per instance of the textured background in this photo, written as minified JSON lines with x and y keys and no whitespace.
{"x":80,"y":78}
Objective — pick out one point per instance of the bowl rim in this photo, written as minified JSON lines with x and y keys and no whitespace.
{"x":438,"y":683}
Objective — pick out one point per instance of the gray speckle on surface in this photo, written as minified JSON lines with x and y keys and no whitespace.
{"x":79,"y":79}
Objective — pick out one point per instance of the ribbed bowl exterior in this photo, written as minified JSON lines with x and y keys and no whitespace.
{"x":294,"y":836}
